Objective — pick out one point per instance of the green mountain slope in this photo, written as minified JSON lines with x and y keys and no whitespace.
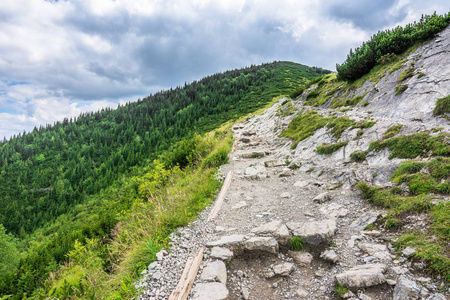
{"x":71,"y":181}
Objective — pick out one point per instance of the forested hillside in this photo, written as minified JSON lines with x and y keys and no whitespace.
{"x":71,"y":181}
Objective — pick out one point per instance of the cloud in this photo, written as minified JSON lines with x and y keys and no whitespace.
{"x":58,"y":58}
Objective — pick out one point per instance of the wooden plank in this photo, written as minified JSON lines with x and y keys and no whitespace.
{"x":220,"y":197}
{"x":181,"y":292}
{"x":178,"y":290}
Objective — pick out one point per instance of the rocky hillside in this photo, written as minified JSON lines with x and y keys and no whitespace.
{"x":340,"y":193}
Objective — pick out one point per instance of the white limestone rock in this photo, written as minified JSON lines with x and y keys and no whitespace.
{"x":362,"y":276}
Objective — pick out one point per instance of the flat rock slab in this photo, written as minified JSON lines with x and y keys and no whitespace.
{"x":255,"y":172}
{"x":275,"y":163}
{"x":276,"y":229}
{"x":215,"y":271}
{"x":221,"y":253}
{"x":229,"y":240}
{"x":266,"y":244}
{"x":301,"y":258}
{"x":210,"y":291}
{"x":362,"y":276}
{"x":376,"y":250}
{"x":364,"y":220}
{"x":314,"y":232}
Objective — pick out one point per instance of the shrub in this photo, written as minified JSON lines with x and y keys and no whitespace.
{"x":387,"y":58}
{"x":297,"y":92}
{"x":381,"y":46}
{"x":312,"y":95}
{"x":442,"y":106}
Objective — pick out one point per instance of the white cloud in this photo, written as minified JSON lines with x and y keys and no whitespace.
{"x":74,"y":55}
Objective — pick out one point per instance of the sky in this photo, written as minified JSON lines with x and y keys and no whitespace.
{"x":61,"y":58}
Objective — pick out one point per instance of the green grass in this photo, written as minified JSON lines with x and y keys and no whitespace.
{"x":392,"y":131}
{"x":398,"y":205}
{"x":358,"y":156}
{"x":313,"y":94}
{"x":406,"y":74}
{"x":304,"y":126}
{"x":400,"y":88}
{"x":340,"y":290}
{"x":371,"y":227}
{"x":432,"y":244}
{"x":338,"y":102}
{"x":364,"y":124}
{"x":286,"y":109}
{"x":411,"y":146}
{"x":339,"y":125}
{"x":330,"y":148}
{"x":297,"y":92}
{"x":359,"y":133}
{"x":296,"y":243}
{"x":428,"y":181}
{"x":442,"y":106}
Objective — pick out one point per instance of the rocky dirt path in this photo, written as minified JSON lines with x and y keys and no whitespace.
{"x":246,"y":245}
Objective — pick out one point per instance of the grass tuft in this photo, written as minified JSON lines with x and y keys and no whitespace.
{"x":340,"y":290}
{"x":330,"y":148}
{"x":406,"y":74}
{"x":399,"y":89}
{"x":358,"y":156}
{"x":392,"y":131}
{"x":442,"y":106}
{"x":411,"y":146}
{"x":296,"y":243}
